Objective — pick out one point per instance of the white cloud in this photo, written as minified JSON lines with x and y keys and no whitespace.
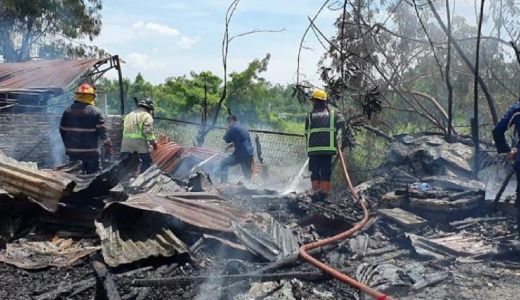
{"x":186,"y":42}
{"x":183,"y":41}
{"x":142,"y":61}
{"x":161,"y":29}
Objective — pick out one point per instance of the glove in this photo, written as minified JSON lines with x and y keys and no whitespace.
{"x":155,"y":146}
{"x":109,"y":149}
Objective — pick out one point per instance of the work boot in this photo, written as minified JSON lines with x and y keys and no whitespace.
{"x":319,"y":196}
{"x":315,"y":185}
{"x":325,"y":187}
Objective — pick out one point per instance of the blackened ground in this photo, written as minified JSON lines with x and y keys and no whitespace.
{"x":21,"y":284}
{"x":491,"y":278}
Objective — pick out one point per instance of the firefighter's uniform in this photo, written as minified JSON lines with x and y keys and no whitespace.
{"x":82,"y":126}
{"x":138,"y":133}
{"x":321,"y":130}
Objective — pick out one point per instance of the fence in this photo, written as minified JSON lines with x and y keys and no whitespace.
{"x":283,"y":153}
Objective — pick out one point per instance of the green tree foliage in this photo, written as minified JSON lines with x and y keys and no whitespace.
{"x":47,"y":29}
{"x":257,"y":102}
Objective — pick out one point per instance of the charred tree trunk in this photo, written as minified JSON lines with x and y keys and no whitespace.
{"x":204,"y":129}
{"x":448,"y":79}
{"x":475,"y":92}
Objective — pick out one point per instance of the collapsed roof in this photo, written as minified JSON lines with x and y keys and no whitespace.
{"x":29,"y":85}
{"x":51,"y":77}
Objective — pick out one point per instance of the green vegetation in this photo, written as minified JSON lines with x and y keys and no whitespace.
{"x":258,"y":103}
{"x":49,"y":29}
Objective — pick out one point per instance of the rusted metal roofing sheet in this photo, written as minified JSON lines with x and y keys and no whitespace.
{"x":123,"y":240}
{"x":170,"y":156}
{"x":211,"y":214}
{"x":47,"y":187}
{"x":144,"y":225}
{"x":43,"y":188}
{"x":43,"y":76}
{"x":57,"y":252}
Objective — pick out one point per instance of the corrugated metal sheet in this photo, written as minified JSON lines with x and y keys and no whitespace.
{"x":453,"y":245}
{"x":287,"y":241}
{"x":123,"y":240}
{"x":42,"y":254}
{"x":212,"y":214}
{"x":170,"y":156}
{"x":41,"y":187}
{"x":48,"y":187}
{"x":43,"y":76}
{"x":267,"y":238}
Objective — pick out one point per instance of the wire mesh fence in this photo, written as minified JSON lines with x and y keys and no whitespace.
{"x":283,"y":153}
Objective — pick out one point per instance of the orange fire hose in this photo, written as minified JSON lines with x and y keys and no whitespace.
{"x":328,"y":269}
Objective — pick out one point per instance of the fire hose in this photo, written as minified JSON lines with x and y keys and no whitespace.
{"x":341,"y":236}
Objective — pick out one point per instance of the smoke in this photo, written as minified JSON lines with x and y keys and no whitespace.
{"x":56,"y":155}
{"x":210,"y":289}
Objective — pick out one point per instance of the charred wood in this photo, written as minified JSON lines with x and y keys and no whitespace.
{"x":104,"y":277}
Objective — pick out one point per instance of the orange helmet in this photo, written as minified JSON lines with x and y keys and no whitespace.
{"x":86,"y":89}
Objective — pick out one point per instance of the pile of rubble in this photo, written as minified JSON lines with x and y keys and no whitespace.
{"x":158,"y":235}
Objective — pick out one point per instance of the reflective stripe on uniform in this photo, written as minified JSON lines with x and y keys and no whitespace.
{"x":75,"y":150}
{"x":75,"y":129}
{"x":131,"y":132}
{"x":331,"y":130}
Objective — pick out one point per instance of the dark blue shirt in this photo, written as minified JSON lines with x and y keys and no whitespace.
{"x":239,"y":136}
{"x":511,"y":117}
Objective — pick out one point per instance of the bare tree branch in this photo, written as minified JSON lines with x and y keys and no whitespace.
{"x":257,"y":31}
{"x":303,"y":40}
{"x":379,"y":133}
{"x":429,"y":39}
{"x":485,"y":90}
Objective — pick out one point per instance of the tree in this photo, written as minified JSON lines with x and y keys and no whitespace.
{"x":48,"y":28}
{"x":185,"y":96}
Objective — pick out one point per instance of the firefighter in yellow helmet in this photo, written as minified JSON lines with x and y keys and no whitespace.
{"x":138,"y":135}
{"x":321,"y":130}
{"x":82,"y":126}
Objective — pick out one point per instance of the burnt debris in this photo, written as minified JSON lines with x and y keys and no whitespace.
{"x":121,"y":235}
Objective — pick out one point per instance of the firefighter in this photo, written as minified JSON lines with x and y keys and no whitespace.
{"x":138,"y":133}
{"x":81,"y":126}
{"x":237,"y":136}
{"x":321,"y":130}
{"x":512,"y":117}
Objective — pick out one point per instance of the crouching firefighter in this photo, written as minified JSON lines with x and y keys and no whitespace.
{"x":237,"y":136}
{"x":138,"y":133}
{"x":321,"y":130}
{"x":512,"y":117}
{"x":81,"y":126}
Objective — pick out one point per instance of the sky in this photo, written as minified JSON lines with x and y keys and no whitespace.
{"x":164,"y":38}
{"x":161,"y":38}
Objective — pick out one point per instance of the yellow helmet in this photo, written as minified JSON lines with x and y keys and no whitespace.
{"x":86,"y":88}
{"x":86,"y":93}
{"x":319,"y":95}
